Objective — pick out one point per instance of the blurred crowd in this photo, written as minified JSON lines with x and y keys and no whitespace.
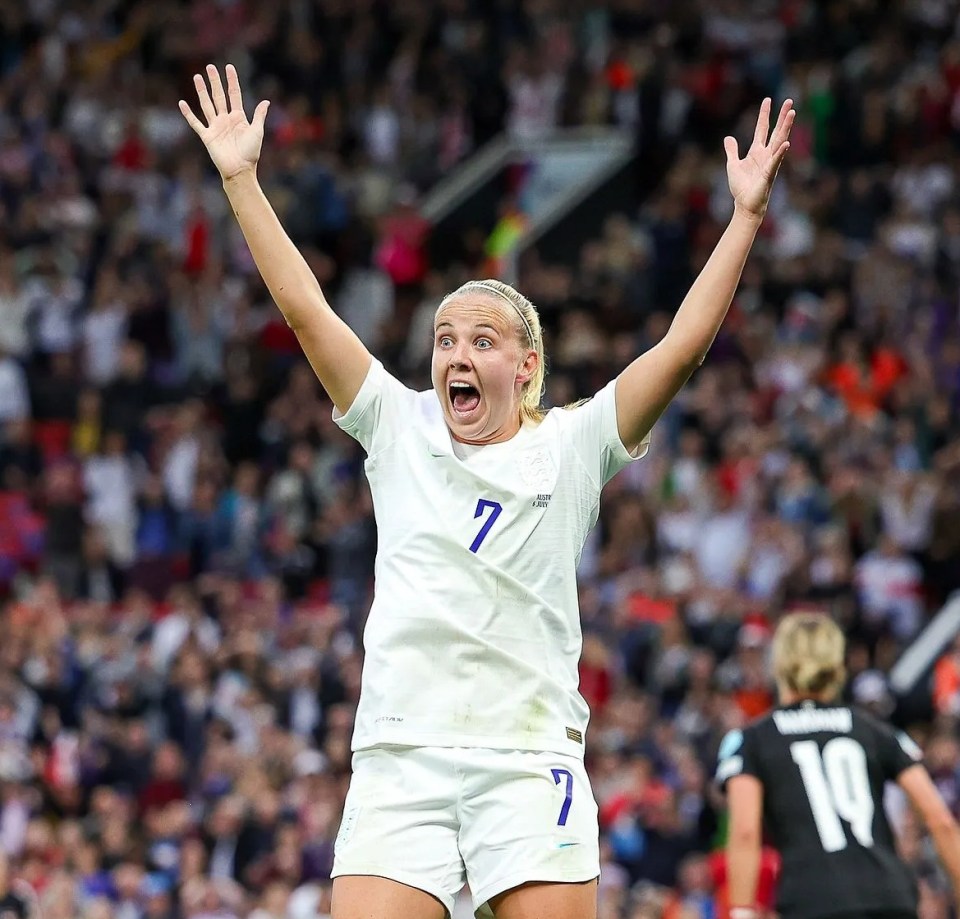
{"x":186,"y":539}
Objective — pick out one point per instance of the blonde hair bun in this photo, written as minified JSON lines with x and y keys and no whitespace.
{"x":808,"y":655}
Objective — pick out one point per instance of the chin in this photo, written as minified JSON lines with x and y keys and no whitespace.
{"x":469,"y":430}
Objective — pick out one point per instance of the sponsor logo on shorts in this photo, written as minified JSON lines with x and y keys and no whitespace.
{"x":574,"y":735}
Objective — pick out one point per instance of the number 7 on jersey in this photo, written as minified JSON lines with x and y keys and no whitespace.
{"x":495,"y":509}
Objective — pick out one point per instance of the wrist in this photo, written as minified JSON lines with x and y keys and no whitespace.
{"x":244,"y":175}
{"x":742,"y":215}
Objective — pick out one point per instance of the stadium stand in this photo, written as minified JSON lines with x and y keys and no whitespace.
{"x":186,"y":540}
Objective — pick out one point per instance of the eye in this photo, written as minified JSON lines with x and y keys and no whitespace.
{"x":484,"y":343}
{"x":444,"y":341}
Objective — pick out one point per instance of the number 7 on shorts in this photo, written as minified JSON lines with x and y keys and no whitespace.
{"x":558,"y":774}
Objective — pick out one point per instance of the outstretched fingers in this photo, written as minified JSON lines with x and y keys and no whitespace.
{"x":233,"y":89}
{"x":213,"y":101}
{"x":781,"y":131}
{"x":192,"y":119}
{"x":777,"y":159}
{"x":206,"y":103}
{"x":260,"y":114}
{"x":732,"y":149}
{"x":216,"y":88}
{"x":763,"y":124}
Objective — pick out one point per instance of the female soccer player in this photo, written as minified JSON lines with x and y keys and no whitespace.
{"x":814,"y":770}
{"x":468,"y":745}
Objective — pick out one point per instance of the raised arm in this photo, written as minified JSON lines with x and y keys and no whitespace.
{"x":649,"y":383}
{"x":337,"y":356}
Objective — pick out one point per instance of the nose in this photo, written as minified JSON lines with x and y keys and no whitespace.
{"x":460,"y":356}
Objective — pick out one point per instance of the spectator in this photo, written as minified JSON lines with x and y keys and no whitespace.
{"x":104,"y":329}
{"x":889,"y":583}
{"x":15,"y":398}
{"x":14,"y":310}
{"x":110,"y":482}
{"x":946,"y":682}
{"x":187,"y":540}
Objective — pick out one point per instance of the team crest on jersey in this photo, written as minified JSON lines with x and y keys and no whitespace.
{"x":536,"y":469}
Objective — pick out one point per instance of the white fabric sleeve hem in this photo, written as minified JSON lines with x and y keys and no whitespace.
{"x":611,"y":432}
{"x":639,"y":452}
{"x":362,"y":401}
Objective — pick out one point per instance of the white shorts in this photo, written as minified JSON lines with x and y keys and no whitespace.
{"x":436,"y":817}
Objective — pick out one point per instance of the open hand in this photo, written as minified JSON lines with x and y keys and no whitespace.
{"x":232,"y":142}
{"x":751,"y":178}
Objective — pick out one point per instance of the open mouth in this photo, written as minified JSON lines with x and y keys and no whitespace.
{"x":464,"y":398}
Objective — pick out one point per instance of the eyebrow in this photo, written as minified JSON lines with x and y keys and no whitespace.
{"x":477,"y":328}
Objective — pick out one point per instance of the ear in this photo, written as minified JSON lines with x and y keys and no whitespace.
{"x":528,"y":368}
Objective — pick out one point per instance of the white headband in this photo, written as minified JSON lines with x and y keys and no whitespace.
{"x":473,"y":285}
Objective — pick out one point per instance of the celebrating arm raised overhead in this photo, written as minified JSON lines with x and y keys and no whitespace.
{"x":336,"y":354}
{"x":648,"y":385}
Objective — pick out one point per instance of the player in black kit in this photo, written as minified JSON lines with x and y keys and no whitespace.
{"x":813,"y":772}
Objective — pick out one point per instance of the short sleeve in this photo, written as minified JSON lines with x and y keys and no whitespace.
{"x":596,"y":438}
{"x":380,"y":412}
{"x":737,"y":756}
{"x":897,"y":751}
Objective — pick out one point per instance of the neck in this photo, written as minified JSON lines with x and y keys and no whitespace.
{"x":789,"y":697}
{"x":507,"y":432}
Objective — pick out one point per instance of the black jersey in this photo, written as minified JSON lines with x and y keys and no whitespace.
{"x":823,"y":769}
{"x":13,"y":906}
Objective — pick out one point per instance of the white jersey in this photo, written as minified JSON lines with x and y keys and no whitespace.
{"x":474,"y":635}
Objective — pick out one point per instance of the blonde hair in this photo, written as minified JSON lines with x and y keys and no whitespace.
{"x":529,"y":330}
{"x":808,"y":655}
